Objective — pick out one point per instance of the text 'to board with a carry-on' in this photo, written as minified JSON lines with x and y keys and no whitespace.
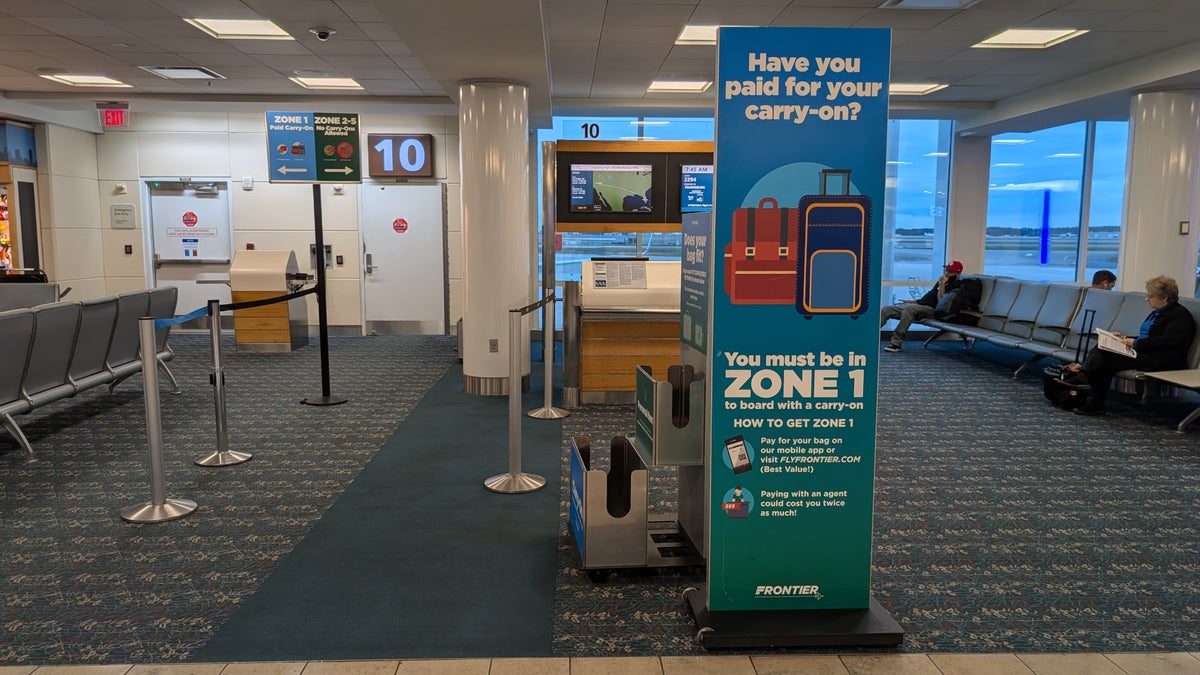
{"x":835,"y":245}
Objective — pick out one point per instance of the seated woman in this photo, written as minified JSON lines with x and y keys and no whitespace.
{"x":1161,"y":343}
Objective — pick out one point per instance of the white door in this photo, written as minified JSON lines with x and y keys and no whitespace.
{"x":190,"y":239}
{"x":404,"y":265}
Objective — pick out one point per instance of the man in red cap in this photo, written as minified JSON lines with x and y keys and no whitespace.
{"x":909,"y":311}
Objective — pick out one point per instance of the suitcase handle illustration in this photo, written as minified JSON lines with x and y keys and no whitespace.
{"x":844,"y":173}
{"x":765,"y":203}
{"x":832,"y":268}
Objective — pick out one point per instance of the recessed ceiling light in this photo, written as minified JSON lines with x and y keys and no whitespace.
{"x":936,"y":154}
{"x":914,"y":88}
{"x":697,"y":35}
{"x":679,"y":86}
{"x":1029,"y":38}
{"x":1008,"y":164}
{"x":183,"y":72}
{"x":326,"y":82}
{"x":1011,"y":141}
{"x":1065,"y":154}
{"x":86,"y":80}
{"x":241,"y":29}
{"x":649,"y":123}
{"x":927,"y":4}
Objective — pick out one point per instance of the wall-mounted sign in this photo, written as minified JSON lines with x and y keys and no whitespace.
{"x":113,"y":114}
{"x":400,"y":155}
{"x":122,"y":217}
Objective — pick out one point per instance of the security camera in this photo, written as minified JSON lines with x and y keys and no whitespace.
{"x":322,"y":33}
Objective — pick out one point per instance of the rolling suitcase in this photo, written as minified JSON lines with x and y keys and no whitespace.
{"x":835,"y":242}
{"x":760,"y":262}
{"x":1062,"y":387}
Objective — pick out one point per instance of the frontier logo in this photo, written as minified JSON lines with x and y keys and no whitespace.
{"x":813,"y":592}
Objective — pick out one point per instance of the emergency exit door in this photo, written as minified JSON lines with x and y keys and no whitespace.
{"x":404,"y":259}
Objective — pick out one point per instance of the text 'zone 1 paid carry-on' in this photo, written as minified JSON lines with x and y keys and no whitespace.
{"x":760,"y":262}
{"x":835,"y":241}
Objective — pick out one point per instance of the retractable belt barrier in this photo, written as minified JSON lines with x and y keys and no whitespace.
{"x":160,"y":508}
{"x":233,"y":306}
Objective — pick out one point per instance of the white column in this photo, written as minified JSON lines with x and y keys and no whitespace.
{"x":1162,"y":180}
{"x":494,"y":145}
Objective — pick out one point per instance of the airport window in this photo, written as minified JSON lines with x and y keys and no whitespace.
{"x":1039,"y":224}
{"x":916,"y":195}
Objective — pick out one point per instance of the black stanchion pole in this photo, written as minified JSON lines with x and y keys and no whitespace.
{"x":325,"y":398}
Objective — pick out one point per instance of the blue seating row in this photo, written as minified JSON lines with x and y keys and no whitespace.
{"x":1046,"y":319}
{"x":57,"y":350}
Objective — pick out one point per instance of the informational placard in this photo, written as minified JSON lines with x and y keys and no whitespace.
{"x":694,"y":285}
{"x":793,"y":355}
{"x":313,"y":148}
{"x":619,"y":274}
{"x":122,"y":217}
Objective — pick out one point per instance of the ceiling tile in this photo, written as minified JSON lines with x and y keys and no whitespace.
{"x":819,"y":16}
{"x":40,"y":9}
{"x":362,"y":12}
{"x":647,"y":15}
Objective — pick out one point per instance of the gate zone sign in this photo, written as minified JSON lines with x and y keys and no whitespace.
{"x":313,"y":148}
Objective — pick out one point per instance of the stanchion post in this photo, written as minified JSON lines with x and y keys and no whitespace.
{"x":223,"y":456}
{"x":514,"y":481}
{"x":549,"y":228}
{"x":322,"y":316}
{"x":159,"y":508}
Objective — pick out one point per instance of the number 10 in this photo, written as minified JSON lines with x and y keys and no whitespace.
{"x":410,"y":153}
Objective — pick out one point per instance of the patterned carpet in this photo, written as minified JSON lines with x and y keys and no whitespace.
{"x":82,"y":586}
{"x":1002,"y":523}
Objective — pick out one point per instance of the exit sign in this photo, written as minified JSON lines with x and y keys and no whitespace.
{"x":114,"y":117}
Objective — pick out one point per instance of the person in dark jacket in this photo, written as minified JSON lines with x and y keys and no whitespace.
{"x":909,"y":311}
{"x":1161,"y":343}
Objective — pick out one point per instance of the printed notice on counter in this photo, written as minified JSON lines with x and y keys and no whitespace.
{"x":619,"y":274}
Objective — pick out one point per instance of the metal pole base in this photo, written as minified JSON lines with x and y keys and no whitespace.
{"x":323,"y":400}
{"x":550,"y":413}
{"x":511,"y":484}
{"x":227,"y":458}
{"x":158,"y":513}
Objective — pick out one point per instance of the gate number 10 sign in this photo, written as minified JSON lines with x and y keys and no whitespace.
{"x":400,"y":155}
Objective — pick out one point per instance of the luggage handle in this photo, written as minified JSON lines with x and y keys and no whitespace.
{"x":1085,"y":334}
{"x":844,"y":173}
{"x":763,"y":203}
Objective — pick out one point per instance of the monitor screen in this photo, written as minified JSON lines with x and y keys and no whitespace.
{"x":611,"y":188}
{"x":696,"y":188}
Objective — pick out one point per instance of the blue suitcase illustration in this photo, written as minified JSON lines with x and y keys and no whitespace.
{"x":834,"y":242}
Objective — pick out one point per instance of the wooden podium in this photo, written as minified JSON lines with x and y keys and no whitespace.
{"x":278,"y":327}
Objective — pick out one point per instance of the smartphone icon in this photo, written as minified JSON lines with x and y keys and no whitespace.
{"x":739,"y":457}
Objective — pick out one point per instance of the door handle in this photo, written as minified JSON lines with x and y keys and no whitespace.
{"x":370,"y":268}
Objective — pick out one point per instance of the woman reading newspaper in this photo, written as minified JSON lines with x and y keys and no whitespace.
{"x":1161,"y":344}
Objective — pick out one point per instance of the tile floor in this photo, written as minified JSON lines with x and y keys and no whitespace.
{"x":876,"y":664}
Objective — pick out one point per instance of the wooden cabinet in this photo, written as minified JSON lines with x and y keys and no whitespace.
{"x":614,"y":344}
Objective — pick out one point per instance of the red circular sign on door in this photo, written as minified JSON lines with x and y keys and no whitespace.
{"x":400,"y":225}
{"x":190,"y":219}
